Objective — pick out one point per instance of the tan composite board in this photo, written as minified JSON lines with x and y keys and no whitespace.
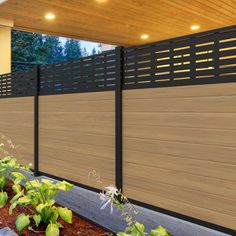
{"x":77,"y":136}
{"x":180,"y":148}
{"x":17,"y":124}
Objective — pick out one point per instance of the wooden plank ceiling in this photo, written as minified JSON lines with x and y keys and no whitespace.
{"x":119,"y":22}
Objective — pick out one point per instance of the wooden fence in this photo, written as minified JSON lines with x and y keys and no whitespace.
{"x":156,"y":120}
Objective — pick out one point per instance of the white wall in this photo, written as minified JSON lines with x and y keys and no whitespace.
{"x":5,"y":49}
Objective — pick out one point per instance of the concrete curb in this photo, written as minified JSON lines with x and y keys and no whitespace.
{"x":87,"y":204}
{"x":7,"y":232}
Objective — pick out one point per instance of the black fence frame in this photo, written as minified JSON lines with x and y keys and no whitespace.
{"x":116,"y":67}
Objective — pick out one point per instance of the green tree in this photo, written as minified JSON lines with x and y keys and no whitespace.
{"x":72,"y":49}
{"x":94,"y":52}
{"x":28,"y":47}
{"x":43,"y":49}
{"x":54,"y":49}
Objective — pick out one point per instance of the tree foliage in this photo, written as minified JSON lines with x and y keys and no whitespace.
{"x":72,"y":49}
{"x":30,"y":48}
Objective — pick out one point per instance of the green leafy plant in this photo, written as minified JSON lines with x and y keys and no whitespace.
{"x":139,"y":230}
{"x":39,"y":197}
{"x":22,"y":221}
{"x":9,"y":169}
{"x":52,"y":230}
{"x":114,"y":197}
{"x":3,"y":199}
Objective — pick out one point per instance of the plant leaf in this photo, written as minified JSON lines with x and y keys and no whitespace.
{"x":160,"y":231}
{"x":64,"y":186}
{"x":136,"y":229}
{"x":47,"y":181}
{"x":59,"y":225}
{"x":22,"y":221}
{"x":12,"y":207}
{"x":33,"y":184}
{"x":40,"y":207}
{"x":18,"y":177}
{"x":52,"y":230}
{"x":2,"y":182}
{"x":65,"y":214}
{"x":37,"y":219}
{"x":16,"y":188}
{"x":24,"y":200}
{"x":3,"y":199}
{"x":17,"y":196}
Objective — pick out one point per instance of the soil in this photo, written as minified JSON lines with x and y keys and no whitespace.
{"x":79,"y":226}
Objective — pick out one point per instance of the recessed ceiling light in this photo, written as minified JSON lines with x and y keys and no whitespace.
{"x":50,"y":16}
{"x":101,"y":1}
{"x":195,"y":27}
{"x":144,"y":36}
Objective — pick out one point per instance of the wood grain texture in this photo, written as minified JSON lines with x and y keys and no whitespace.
{"x":17,"y":125}
{"x":89,"y":19}
{"x":179,"y":150}
{"x":77,"y":136}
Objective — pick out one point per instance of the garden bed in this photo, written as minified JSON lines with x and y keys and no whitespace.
{"x":79,"y":226}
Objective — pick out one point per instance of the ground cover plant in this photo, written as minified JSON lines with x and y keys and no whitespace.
{"x":37,"y":195}
{"x":40,"y":196}
{"x":30,"y":203}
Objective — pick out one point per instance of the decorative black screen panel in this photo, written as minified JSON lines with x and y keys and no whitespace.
{"x":18,"y":84}
{"x":5,"y":85}
{"x":208,"y":57}
{"x":92,"y":73}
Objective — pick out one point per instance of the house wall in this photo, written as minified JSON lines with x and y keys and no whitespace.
{"x":5,"y":49}
{"x":179,"y":150}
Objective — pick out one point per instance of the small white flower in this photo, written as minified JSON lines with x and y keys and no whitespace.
{"x":106,"y":200}
{"x":111,"y":211}
{"x":103,"y":197}
{"x":111,"y":191}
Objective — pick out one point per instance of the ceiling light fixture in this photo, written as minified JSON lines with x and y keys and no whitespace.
{"x":101,"y":1}
{"x":144,"y":36}
{"x":50,"y":16}
{"x":195,"y":27}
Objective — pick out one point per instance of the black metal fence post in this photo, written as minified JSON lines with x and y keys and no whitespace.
{"x":118,"y":117}
{"x":36,"y":121}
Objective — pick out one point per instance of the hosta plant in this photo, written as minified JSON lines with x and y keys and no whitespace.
{"x":111,"y":196}
{"x":10,"y":169}
{"x":39,"y":197}
{"x":138,"y":229}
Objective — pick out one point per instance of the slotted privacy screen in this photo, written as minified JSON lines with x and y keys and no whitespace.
{"x":92,"y":73}
{"x":18,"y":84}
{"x":203,"y":58}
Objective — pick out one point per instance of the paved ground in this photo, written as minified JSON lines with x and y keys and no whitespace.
{"x":87,"y":204}
{"x":7,"y":232}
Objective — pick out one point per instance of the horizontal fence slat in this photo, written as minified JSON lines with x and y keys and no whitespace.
{"x":207,"y":57}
